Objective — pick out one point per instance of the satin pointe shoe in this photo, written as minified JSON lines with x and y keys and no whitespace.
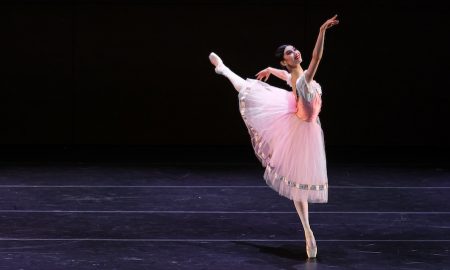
{"x":217,"y":62}
{"x":311,"y":246}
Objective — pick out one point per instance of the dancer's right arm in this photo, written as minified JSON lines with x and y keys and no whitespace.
{"x":265,"y":74}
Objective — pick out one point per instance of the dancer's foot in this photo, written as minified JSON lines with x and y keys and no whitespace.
{"x":311,"y":247}
{"x":217,"y":62}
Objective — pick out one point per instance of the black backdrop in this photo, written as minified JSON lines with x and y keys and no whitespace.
{"x":137,"y":72}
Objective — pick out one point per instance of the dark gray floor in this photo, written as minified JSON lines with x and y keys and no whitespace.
{"x":91,"y":215}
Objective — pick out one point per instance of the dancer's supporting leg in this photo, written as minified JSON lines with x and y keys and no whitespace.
{"x":302,"y":210}
{"x":237,"y":81}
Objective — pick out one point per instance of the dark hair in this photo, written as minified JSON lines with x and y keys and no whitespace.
{"x":279,"y":52}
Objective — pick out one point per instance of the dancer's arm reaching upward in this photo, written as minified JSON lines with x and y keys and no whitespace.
{"x":318,"y":49}
{"x":265,"y":74}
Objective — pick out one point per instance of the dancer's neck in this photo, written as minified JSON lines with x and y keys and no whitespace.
{"x":296,"y":70}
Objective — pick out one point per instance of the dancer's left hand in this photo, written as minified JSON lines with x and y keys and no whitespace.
{"x":263,"y":74}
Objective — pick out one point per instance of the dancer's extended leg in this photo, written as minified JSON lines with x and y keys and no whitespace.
{"x":237,"y":81}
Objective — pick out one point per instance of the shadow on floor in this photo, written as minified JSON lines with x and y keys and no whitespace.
{"x":291,"y":252}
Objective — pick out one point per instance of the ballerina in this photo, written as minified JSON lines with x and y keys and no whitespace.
{"x":285,"y":128}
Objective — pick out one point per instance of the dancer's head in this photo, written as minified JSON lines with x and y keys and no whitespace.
{"x":288,"y":56}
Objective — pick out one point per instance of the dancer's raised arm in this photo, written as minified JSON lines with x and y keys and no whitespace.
{"x":318,"y":49}
{"x":265,"y":74}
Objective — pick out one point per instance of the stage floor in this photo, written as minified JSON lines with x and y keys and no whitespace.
{"x":112,"y":215}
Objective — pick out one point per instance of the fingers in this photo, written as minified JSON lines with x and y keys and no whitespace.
{"x":333,"y":20}
{"x":261,"y":73}
{"x":263,"y":77}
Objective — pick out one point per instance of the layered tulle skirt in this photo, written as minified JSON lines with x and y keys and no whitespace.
{"x":291,"y":150}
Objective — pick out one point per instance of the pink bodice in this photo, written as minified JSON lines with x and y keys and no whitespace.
{"x":309,"y":110}
{"x":309,"y":100}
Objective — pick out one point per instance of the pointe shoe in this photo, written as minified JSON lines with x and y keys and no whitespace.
{"x":311,"y":247}
{"x":217,"y":62}
{"x":311,"y":251}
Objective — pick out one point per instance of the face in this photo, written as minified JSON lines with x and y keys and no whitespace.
{"x":292,"y":57}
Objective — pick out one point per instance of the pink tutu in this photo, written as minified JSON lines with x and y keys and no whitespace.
{"x":291,"y":149}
